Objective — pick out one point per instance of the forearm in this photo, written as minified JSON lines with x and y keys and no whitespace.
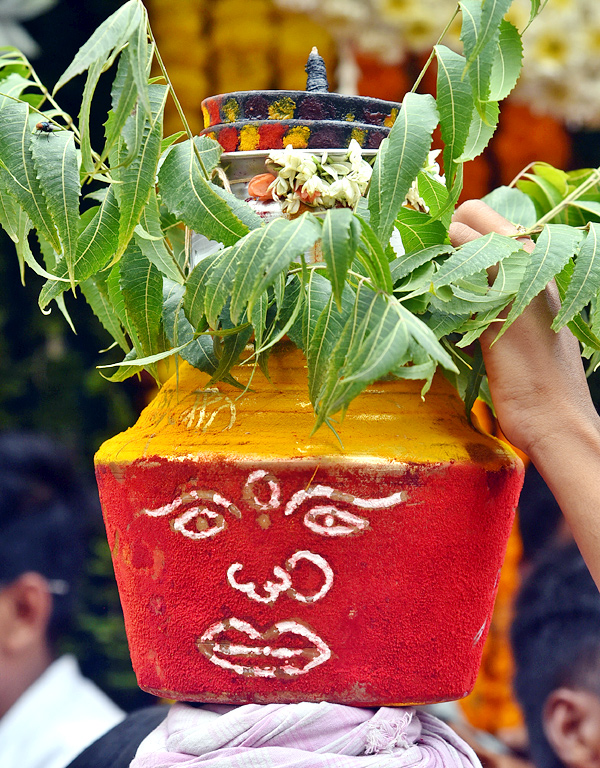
{"x":569,"y":461}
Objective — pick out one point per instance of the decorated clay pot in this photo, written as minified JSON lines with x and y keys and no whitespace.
{"x":256,"y":563}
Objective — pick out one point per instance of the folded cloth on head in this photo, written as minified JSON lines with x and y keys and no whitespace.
{"x":303,"y":735}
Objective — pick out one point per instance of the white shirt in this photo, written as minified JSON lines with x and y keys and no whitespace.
{"x":55,"y":719}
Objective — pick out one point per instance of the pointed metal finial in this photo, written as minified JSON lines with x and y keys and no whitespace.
{"x":316,"y":72}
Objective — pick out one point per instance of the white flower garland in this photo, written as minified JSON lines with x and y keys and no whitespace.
{"x":331,"y":181}
{"x":318,"y":181}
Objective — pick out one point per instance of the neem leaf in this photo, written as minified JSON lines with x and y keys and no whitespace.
{"x":154,"y":247}
{"x":433,"y":192}
{"x":133,"y":361}
{"x":513,"y":204}
{"x":199,"y":352}
{"x":507,"y":62}
{"x":187,"y":194}
{"x":289,"y":310}
{"x":374,"y":340}
{"x":590,"y":206}
{"x":418,"y":230}
{"x":377,"y":347}
{"x":317,"y":295}
{"x":209,"y":152}
{"x":219,"y":280}
{"x":397,"y":166}
{"x":288,"y":245}
{"x":475,"y":256}
{"x":9,"y":216}
{"x":478,"y":52}
{"x":323,"y":405}
{"x":57,"y":169}
{"x":123,"y":97}
{"x":536,"y":7}
{"x":481,"y":131}
{"x":239,"y":208}
{"x":137,"y":55}
{"x":124,"y":371}
{"x":323,"y":336}
{"x":91,"y":82}
{"x":232,"y":348}
{"x":195,"y":288}
{"x":404,"y":265}
{"x":250,"y":253}
{"x":492,"y":13}
{"x":455,"y":105}
{"x":341,"y":233}
{"x":474,"y":382}
{"x":374,"y":259}
{"x":12,"y":86}
{"x":18,"y":172}
{"x":132,"y":135}
{"x":543,"y":191}
{"x":258,"y":318}
{"x":555,"y":246}
{"x":584,"y":281}
{"x":584,"y":333}
{"x":96,"y":246}
{"x":424,"y":336}
{"x":96,"y":294}
{"x":138,"y":178}
{"x":141,"y":285}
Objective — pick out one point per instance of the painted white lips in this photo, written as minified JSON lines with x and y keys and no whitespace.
{"x":266,"y":646}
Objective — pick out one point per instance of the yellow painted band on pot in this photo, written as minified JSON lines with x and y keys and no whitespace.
{"x":387,"y":422}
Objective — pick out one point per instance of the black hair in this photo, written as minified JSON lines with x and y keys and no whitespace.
{"x":45,"y":511}
{"x":539,"y":515}
{"x":556,"y":640}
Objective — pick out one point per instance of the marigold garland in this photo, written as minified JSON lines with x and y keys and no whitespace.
{"x":232,"y":45}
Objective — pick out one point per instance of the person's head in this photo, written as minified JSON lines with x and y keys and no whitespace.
{"x":43,"y":511}
{"x":556,"y":642}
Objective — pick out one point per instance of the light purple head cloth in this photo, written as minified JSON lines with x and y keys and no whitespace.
{"x":303,"y":736}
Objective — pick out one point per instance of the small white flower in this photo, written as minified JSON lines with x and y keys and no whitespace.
{"x":290,"y":205}
{"x":432,"y":168}
{"x":396,"y":243}
{"x":347,"y":191}
{"x":414,"y":199}
{"x":315,"y":188}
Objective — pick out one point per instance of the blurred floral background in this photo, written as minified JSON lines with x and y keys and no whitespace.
{"x":373,"y":47}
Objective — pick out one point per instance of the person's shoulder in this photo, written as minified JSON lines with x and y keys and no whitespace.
{"x":117,"y":748}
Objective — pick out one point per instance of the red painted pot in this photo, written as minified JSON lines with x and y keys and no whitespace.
{"x":258,"y":564}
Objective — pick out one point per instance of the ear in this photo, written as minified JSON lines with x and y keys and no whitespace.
{"x":25,"y":610}
{"x":572,"y":726}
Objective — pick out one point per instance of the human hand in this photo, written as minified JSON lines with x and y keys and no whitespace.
{"x":536,"y":376}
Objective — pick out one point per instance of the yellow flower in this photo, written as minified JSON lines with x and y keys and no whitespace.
{"x":551,"y":50}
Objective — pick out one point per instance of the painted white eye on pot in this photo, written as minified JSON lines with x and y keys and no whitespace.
{"x":328,"y":520}
{"x":199,"y":523}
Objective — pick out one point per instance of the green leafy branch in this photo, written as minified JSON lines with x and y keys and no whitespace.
{"x":390,"y":297}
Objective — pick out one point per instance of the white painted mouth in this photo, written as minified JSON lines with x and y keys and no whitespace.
{"x":269,"y":646}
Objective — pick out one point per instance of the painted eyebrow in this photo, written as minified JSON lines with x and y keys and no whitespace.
{"x":325,"y":491}
{"x":191,"y":496}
